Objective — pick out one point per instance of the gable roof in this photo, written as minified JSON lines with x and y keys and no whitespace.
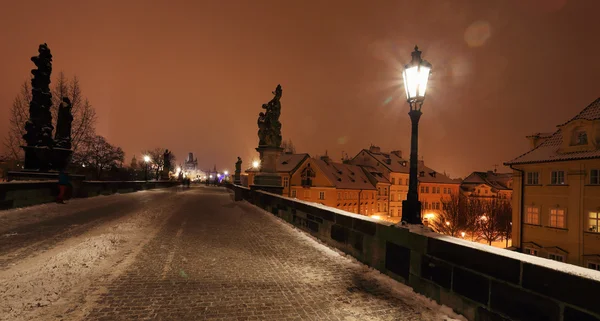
{"x":344,"y":176}
{"x":287,"y":163}
{"x":548,"y":150}
{"x":397,"y":164}
{"x":498,"y":181}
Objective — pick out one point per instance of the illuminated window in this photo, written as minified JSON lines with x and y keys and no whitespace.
{"x":422,"y":189}
{"x":533,"y":215}
{"x":530,"y":251}
{"x":557,"y":178}
{"x":594,"y":219}
{"x":286,"y":181}
{"x":426,"y":189}
{"x":557,"y":218}
{"x":393,"y":181}
{"x":294,"y":193}
{"x":321,"y":195}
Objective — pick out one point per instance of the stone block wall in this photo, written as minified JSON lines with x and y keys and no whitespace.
{"x":480,"y":283}
{"x":23,"y":193}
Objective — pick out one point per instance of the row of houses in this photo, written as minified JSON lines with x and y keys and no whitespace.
{"x":375,"y":183}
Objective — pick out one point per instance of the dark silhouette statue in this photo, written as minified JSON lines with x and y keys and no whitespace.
{"x":269,"y":127}
{"x":62,"y":138}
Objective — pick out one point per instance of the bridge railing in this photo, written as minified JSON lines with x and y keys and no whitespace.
{"x":478,"y":281}
{"x":26,"y":193}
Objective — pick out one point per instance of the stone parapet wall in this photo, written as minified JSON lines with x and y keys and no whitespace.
{"x":26,"y":193}
{"x":482,"y":283}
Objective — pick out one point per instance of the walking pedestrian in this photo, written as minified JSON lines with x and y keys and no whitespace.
{"x":63,"y":185}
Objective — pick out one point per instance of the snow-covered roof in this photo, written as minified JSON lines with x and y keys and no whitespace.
{"x":495,"y":180}
{"x":548,"y":151}
{"x":344,"y":176}
{"x":287,"y":163}
{"x":374,"y":175}
{"x":395,"y":163}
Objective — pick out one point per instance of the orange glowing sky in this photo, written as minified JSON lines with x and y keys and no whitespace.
{"x":191,"y":76}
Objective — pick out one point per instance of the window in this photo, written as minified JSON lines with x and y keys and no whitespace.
{"x":286,"y":181}
{"x":530,"y":251}
{"x":557,"y":218}
{"x":533,"y":178}
{"x":533,"y":215}
{"x":321,"y":195}
{"x":556,"y":257}
{"x":391,"y":197}
{"x":445,"y":190}
{"x":378,"y":191}
{"x":595,"y":177}
{"x":582,"y":138}
{"x":385,"y":190}
{"x":399,"y":181}
{"x":426,"y":189}
{"x":594,"y":218}
{"x":437,"y":205}
{"x":425,"y":205}
{"x":339,"y":196}
{"x":557,"y":178}
{"x":593,"y":265}
{"x":438,"y":190}
{"x":392,"y":211}
{"x":345,"y":195}
{"x":294,"y":193}
{"x":393,"y":181}
{"x":378,"y":209}
{"x":422,"y":189}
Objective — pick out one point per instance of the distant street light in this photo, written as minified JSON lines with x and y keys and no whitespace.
{"x":255,"y":164}
{"x":146,"y":160}
{"x":416,"y":75}
{"x":226,"y":173}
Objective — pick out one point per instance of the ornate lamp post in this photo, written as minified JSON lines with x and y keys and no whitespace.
{"x":146,"y":160}
{"x":415,"y":74}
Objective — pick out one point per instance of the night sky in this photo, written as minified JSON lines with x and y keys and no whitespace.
{"x":191,"y":76}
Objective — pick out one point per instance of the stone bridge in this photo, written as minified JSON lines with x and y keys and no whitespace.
{"x":197,"y":254}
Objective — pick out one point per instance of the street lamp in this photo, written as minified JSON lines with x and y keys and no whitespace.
{"x":226,"y":173}
{"x":415,"y":74}
{"x":146,"y":160}
{"x":255,"y":164}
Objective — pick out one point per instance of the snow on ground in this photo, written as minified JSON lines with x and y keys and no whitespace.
{"x":406,"y":293}
{"x":37,"y":283}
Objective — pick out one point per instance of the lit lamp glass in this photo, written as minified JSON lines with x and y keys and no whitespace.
{"x":416,"y":75}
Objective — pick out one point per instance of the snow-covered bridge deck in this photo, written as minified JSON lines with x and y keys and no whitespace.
{"x":184,"y":255}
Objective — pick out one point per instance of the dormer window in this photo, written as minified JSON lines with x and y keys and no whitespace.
{"x":582,"y":138}
{"x":421,"y":174}
{"x":579,"y":137}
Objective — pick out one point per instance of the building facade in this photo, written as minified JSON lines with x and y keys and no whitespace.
{"x":286,"y":166}
{"x":556,"y":192}
{"x":488,"y":185}
{"x":433,"y":186}
{"x":343,"y":186}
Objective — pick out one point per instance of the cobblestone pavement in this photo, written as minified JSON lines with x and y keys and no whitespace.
{"x":23,"y":233}
{"x":215,"y":259}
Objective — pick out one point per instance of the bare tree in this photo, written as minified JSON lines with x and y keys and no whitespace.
{"x":157,"y":158}
{"x":84,"y":115}
{"x":471,"y":214}
{"x":505,"y":218}
{"x":99,"y":155}
{"x":19,"y":114}
{"x":489,"y":223}
{"x":288,"y":147}
{"x":449,"y":220}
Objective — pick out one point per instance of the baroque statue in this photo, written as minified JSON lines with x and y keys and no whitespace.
{"x":39,"y":126}
{"x":62,"y":138}
{"x":269,"y":127}
{"x":167,"y":160}
{"x":238,"y":166}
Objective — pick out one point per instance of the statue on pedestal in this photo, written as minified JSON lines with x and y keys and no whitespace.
{"x":238,"y":171}
{"x":269,"y":127}
{"x":38,"y":136}
{"x":166,"y":164}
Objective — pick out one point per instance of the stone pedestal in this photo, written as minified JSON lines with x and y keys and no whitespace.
{"x":267,"y":179}
{"x":237,"y":179}
{"x":44,"y":159}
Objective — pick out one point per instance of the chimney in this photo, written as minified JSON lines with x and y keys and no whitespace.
{"x":397,"y":153}
{"x":325,"y":158}
{"x":375,"y":149}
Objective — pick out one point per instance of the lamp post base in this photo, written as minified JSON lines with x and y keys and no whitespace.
{"x":411,"y":211}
